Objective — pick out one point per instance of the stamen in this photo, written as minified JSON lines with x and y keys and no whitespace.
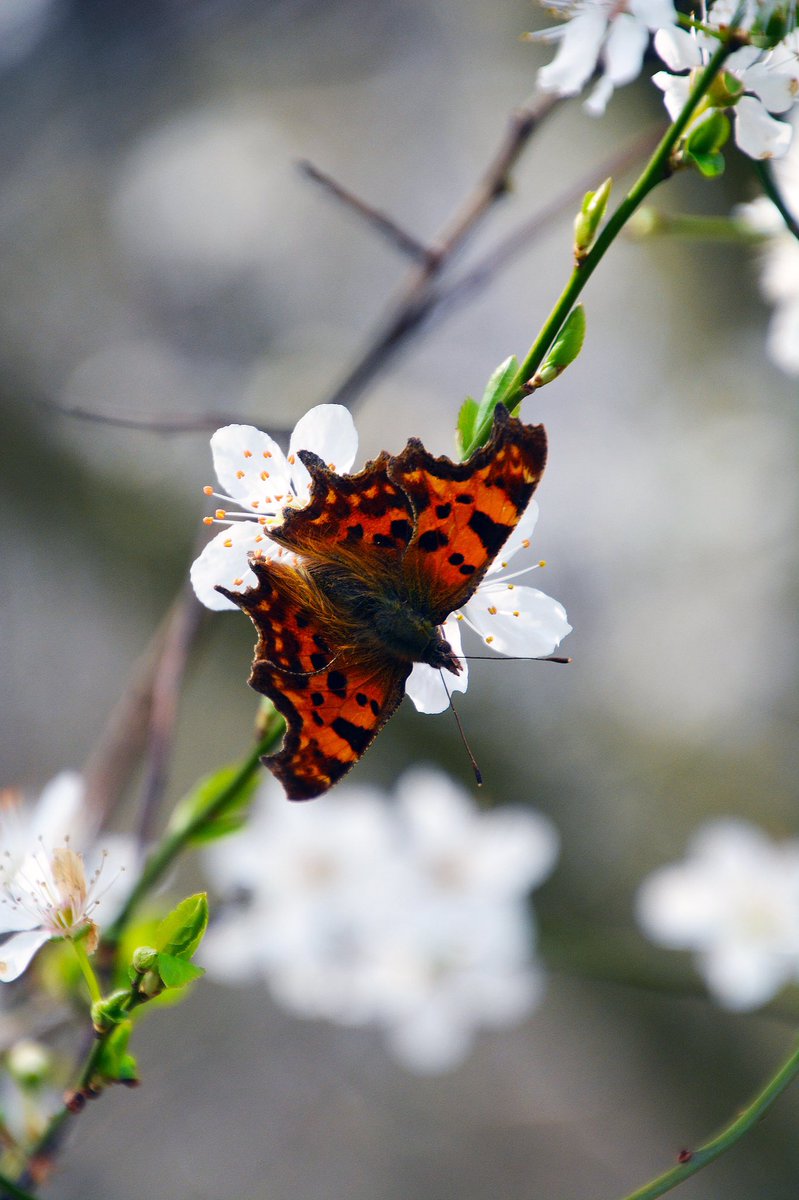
{"x":240,"y":474}
{"x":208,"y":490}
{"x":248,"y":453}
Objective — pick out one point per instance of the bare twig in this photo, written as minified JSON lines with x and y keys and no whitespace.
{"x":378,"y":220}
{"x":180,"y":423}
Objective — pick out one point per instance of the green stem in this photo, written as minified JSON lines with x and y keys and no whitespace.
{"x":656,"y":170}
{"x":10,"y":1191}
{"x":88,"y":972}
{"x":725,"y":1140}
{"x":767,"y":182}
{"x":174,"y":841}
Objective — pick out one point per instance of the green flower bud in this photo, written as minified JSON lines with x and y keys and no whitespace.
{"x":589,"y":218}
{"x":110,"y":1011}
{"x":725,"y":90}
{"x":150,"y":984}
{"x":144,"y":959}
{"x":29,"y":1063}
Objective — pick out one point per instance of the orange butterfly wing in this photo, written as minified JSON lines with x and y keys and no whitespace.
{"x":464,"y":512}
{"x":334,"y":701}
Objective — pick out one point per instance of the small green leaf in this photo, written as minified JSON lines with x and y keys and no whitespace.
{"x":195,"y":804}
{"x":114,"y":1064}
{"x":466,"y":421}
{"x":177,"y":972}
{"x":498,"y":391}
{"x":565,"y":348}
{"x":589,"y":218}
{"x":708,"y":136}
{"x":181,"y":932}
{"x":710,"y":165}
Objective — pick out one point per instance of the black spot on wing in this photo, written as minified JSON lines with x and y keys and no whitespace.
{"x":456,"y":559}
{"x":491,"y":533}
{"x":433,"y":540}
{"x":355,"y":736}
{"x":402,"y":530}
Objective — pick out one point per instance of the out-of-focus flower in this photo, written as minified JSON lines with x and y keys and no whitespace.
{"x":509,"y":618}
{"x":44,"y":889}
{"x":412,"y":917}
{"x":758,"y":83}
{"x":780,"y":256}
{"x":615,"y":34}
{"x":258,"y":482}
{"x":734,"y":901}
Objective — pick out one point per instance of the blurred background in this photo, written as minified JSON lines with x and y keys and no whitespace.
{"x":163,"y":258}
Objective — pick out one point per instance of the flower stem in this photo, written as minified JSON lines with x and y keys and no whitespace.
{"x":729,"y":1136}
{"x":175,"y":841}
{"x":87,"y":970}
{"x":655,"y":172}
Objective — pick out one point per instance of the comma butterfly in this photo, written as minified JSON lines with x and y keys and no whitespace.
{"x":385,"y":556}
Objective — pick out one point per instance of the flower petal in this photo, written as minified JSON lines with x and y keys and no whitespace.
{"x":224,"y":561}
{"x":758,"y":134}
{"x":783,"y":338}
{"x":17,"y":952}
{"x":675,"y":88}
{"x":741,"y":977}
{"x":655,"y":14}
{"x":329,"y":431}
{"x":426,"y":688}
{"x":774,"y":83}
{"x":624,"y":49}
{"x":242,"y":454}
{"x":679,"y":49}
{"x":577,"y":54}
{"x":60,"y":812}
{"x":517,"y":620}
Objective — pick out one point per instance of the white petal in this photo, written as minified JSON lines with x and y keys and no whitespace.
{"x":624,"y":49}
{"x":430,"y":1042}
{"x":680,"y":906}
{"x":425,"y":686}
{"x":742,"y":978}
{"x":597,"y":102}
{"x":577,"y":54}
{"x":527,"y":623}
{"x":679,"y":49}
{"x":329,"y":431}
{"x":776,"y":86}
{"x":516,"y":541}
{"x":59,"y":811}
{"x":783,"y":338}
{"x":655,"y":14}
{"x":741,"y":60}
{"x":224,"y":561}
{"x":758,"y":134}
{"x":675,"y":88}
{"x":241,"y":453}
{"x":17,"y":952}
{"x":115,"y":861}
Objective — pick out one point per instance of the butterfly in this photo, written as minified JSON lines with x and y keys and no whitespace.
{"x":384,"y":557}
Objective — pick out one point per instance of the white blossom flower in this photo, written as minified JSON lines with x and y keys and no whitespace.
{"x":617,"y":34}
{"x":769,"y":81}
{"x":780,"y":260}
{"x":508,"y":617}
{"x":412,"y":917}
{"x":734,"y":901}
{"x":258,"y":482}
{"x":44,"y":889}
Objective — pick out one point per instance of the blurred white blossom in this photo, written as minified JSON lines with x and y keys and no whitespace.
{"x":768,"y":82}
{"x":734,"y":902}
{"x":599,"y":31}
{"x":779,"y":280}
{"x":48,"y":888}
{"x":410,"y":915}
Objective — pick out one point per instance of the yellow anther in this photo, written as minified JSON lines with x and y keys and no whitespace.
{"x":526,"y":544}
{"x":208,"y":520}
{"x":208,"y":490}
{"x":259,"y":538}
{"x":280,"y":497}
{"x":492,"y":609}
{"x":516,"y":613}
{"x":239,"y":474}
{"x":228,"y":542}
{"x":542,"y":562}
{"x":292,"y":459}
{"x":264,"y":475}
{"x":248,"y":453}
{"x":220,"y":514}
{"x":511,"y":586}
{"x":267,"y":453}
{"x":255,"y":504}
{"x":331,"y":466}
{"x":458,"y":616}
{"x":262,"y":520}
{"x":489,"y":639}
{"x":238,"y":582}
{"x":503,"y":565}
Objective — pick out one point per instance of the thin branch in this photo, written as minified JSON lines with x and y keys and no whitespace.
{"x":180,"y":423}
{"x":379,"y":221}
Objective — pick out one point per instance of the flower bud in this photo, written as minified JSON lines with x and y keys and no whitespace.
{"x":29,"y":1063}
{"x":110,"y":1011}
{"x":150,"y":984}
{"x":725,"y":90}
{"x":144,"y":959}
{"x":589,"y":218}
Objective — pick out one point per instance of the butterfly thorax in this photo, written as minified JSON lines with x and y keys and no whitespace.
{"x":387,"y":616}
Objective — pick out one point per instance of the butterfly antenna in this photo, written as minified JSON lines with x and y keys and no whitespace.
{"x":478,"y":775}
{"x":554,"y":658}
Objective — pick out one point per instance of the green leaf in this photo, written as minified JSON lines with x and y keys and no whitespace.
{"x":498,"y":390}
{"x":195,"y":804}
{"x":711,"y":165}
{"x":177,"y":972}
{"x":709,"y":136}
{"x":181,"y":932}
{"x":114,"y":1064}
{"x":466,"y":421}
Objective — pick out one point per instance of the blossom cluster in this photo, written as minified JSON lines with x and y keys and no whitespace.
{"x":733,"y":902}
{"x":612,"y":38}
{"x":410,"y":915}
{"x":54,"y":878}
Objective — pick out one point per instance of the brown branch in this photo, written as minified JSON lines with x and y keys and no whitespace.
{"x":180,"y":423}
{"x":379,"y":221}
{"x":417,"y":298}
